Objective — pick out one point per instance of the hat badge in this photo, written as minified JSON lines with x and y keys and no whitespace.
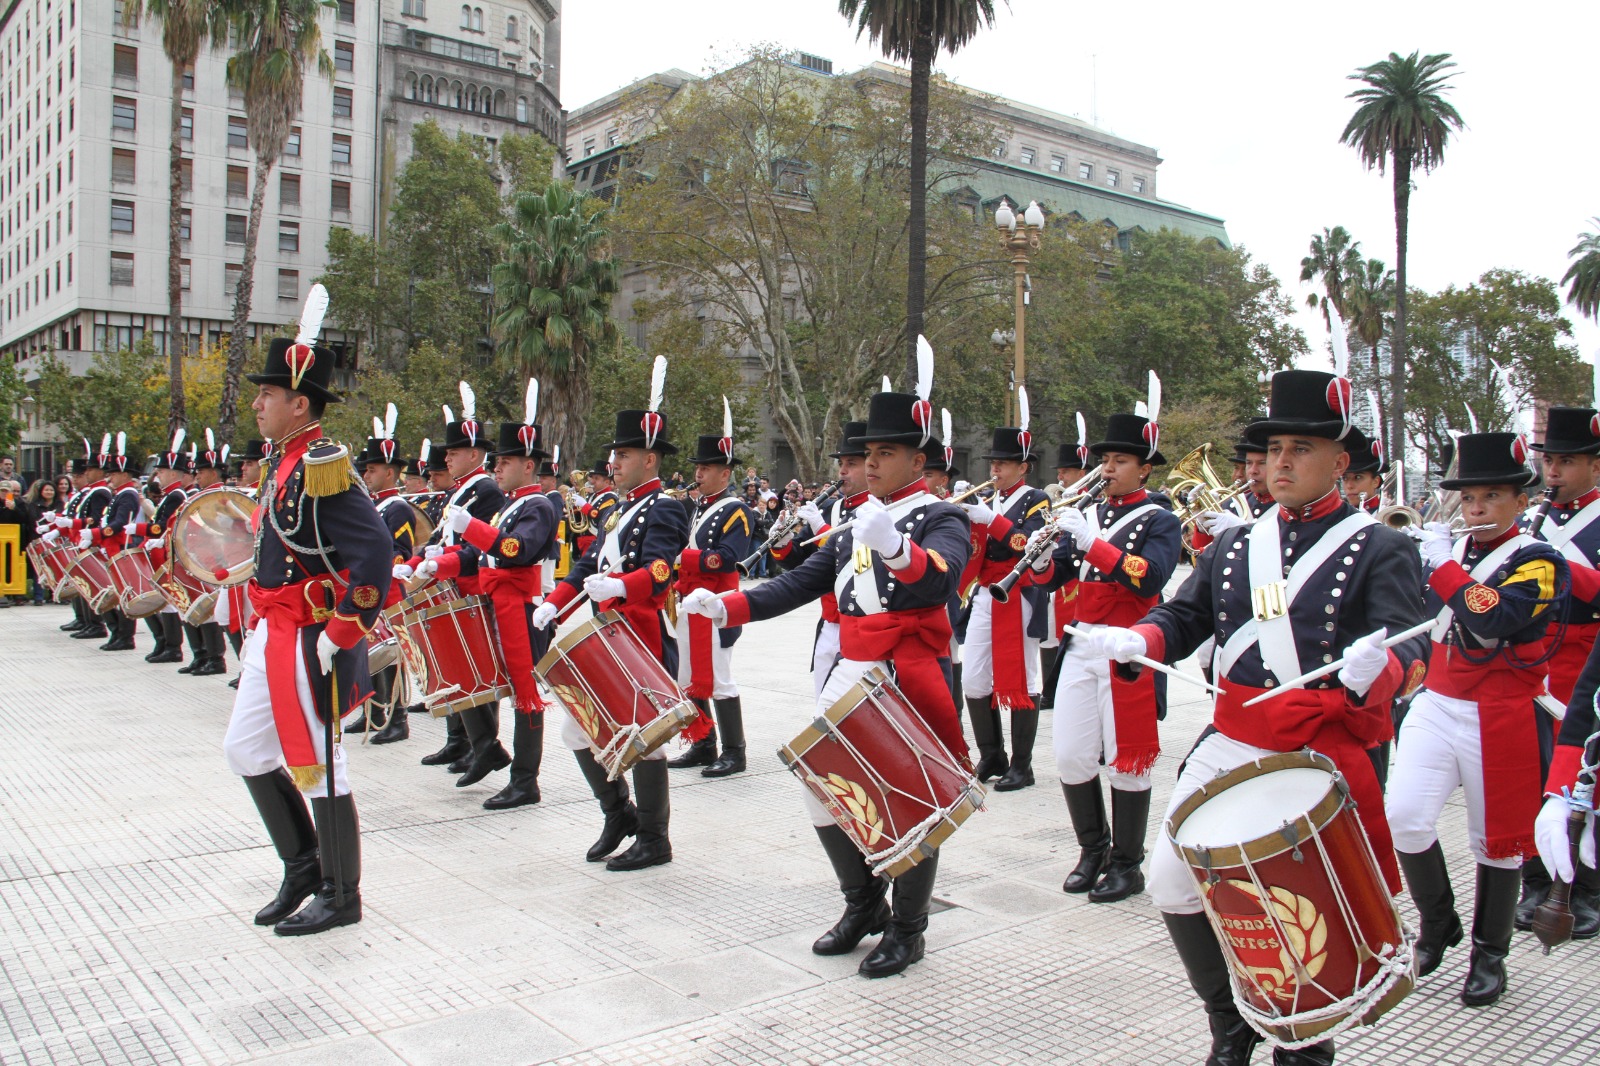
{"x":528,"y":436}
{"x":1519,"y":450}
{"x":300,"y":359}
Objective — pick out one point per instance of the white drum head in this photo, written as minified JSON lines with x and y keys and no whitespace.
{"x":1254,"y":808}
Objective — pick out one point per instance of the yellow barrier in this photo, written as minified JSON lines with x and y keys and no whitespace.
{"x":13,"y":562}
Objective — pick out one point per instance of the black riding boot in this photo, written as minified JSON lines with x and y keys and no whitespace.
{"x":1318,"y":1054}
{"x":120,"y":627}
{"x":866,"y":909}
{"x":992,"y":761}
{"x":702,"y":752}
{"x":1086,"y":806}
{"x":152,"y":622}
{"x":1535,"y":888}
{"x":527,"y":752}
{"x":338,"y":898}
{"x":170,"y":647}
{"x":382,"y":697}
{"x":730,"y":726}
{"x":902,"y":942}
{"x":1052,"y":674}
{"x":80,"y":617}
{"x":622,"y":818}
{"x":455,"y":743}
{"x":96,"y":627}
{"x":1428,"y":879}
{"x":1232,"y":1039}
{"x":1586,"y":902}
{"x":1024,"y":728}
{"x":197,"y":648}
{"x":396,"y":728}
{"x":215,"y":649}
{"x":1493,"y":911}
{"x":1130,"y":814}
{"x":283,"y":813}
{"x":488,"y":754}
{"x":651,"y":846}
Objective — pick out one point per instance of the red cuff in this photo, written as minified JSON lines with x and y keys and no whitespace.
{"x":1104,"y":557}
{"x":562,"y":594}
{"x":449,"y":566}
{"x":640,"y":584}
{"x":1564,"y":767}
{"x":1000,"y":528}
{"x":690,"y":561}
{"x":1155,"y":641}
{"x":345,"y":632}
{"x":1200,"y":540}
{"x":738,"y":605}
{"x":916,"y":567}
{"x":1586,"y":585}
{"x":480,"y":535}
{"x":781,"y":553}
{"x":1384,"y":688}
{"x":1449,"y":579}
{"x":1041,"y":577}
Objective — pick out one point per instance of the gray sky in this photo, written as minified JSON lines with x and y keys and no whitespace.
{"x":1244,"y":101}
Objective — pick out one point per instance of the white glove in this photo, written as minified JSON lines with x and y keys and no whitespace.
{"x":326,"y":650}
{"x":707,"y":603}
{"x":48,"y":518}
{"x":155,"y":542}
{"x":1364,"y":660}
{"x":1074,"y":524}
{"x":131,"y":529}
{"x":1435,"y":544}
{"x":601,"y":587}
{"x":51,"y":537}
{"x":959,"y":487}
{"x":63,"y":523}
{"x":402,"y":572}
{"x":460,"y":518}
{"x":1033,"y":542}
{"x":432,"y":551}
{"x":85,"y":538}
{"x":544,"y":614}
{"x":811,"y":514}
{"x":42,"y":528}
{"x":980,"y":513}
{"x":1117,"y":643}
{"x":874,"y":529}
{"x":1215,"y":523}
{"x":427,"y":568}
{"x":1555,"y":848}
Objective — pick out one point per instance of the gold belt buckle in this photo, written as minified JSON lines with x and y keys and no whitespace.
{"x":1270,"y":601}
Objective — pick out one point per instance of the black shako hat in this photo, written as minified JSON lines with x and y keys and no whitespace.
{"x":601,"y":468}
{"x":520,"y":440}
{"x":1366,"y":454}
{"x":850,"y":441}
{"x":303,"y":368}
{"x":1570,"y":431}
{"x":1491,"y":459}
{"x":898,"y":418}
{"x":1012,"y":443}
{"x":709,"y":451}
{"x":1244,"y":447}
{"x":1069,"y":456}
{"x":258,"y":451}
{"x":1313,"y":403}
{"x":642,"y":429}
{"x":173,"y":458}
{"x":380,"y":451}
{"x":1130,"y":435}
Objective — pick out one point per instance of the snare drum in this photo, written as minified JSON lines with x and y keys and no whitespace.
{"x":1293,"y":890}
{"x":57,"y":557}
{"x":36,"y":559}
{"x":383,"y":647}
{"x":87,"y":570}
{"x":134,"y":579}
{"x":886,"y":778}
{"x":449,"y":647}
{"x":616,"y":691}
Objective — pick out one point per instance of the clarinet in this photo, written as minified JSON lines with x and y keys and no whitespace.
{"x":786,"y":524}
{"x":1552,"y":922}
{"x":1001,"y":590}
{"x":1536,"y":523}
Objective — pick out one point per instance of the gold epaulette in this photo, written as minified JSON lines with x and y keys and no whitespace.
{"x":327,"y":469}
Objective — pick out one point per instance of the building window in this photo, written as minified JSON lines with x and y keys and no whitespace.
{"x":341,"y":149}
{"x":186,"y":124}
{"x":414,"y":8}
{"x":347,"y":10}
{"x":185,"y":220}
{"x":522,"y":109}
{"x":341,"y":196}
{"x":184,"y":273}
{"x":466,"y":16}
{"x":343,"y":103}
{"x":288,"y":236}
{"x":238,"y":132}
{"x":511,"y":29}
{"x":230,"y":278}
{"x":288,"y":190}
{"x":477,"y":20}
{"x":344,"y":56}
{"x":1026,"y":156}
{"x":588,"y":147}
{"x":233,"y":231}
{"x":121,"y":216}
{"x":291,"y":147}
{"x":1138,"y":185}
{"x":534,"y":41}
{"x":288,"y":284}
{"x":124,"y":114}
{"x":122,"y":268}
{"x":123,"y":169}
{"x":186,"y":177}
{"x":613,"y":138}
{"x":1000,"y":150}
{"x":238,"y":183}
{"x":1113,"y":178}
{"x":1058,"y":164}
{"x":125,"y":63}
{"x":1085,"y":171}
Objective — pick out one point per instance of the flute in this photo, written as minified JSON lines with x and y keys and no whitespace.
{"x":842,"y":526}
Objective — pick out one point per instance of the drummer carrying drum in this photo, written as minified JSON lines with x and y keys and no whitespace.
{"x":168,"y":477}
{"x":117,"y":528}
{"x":893,"y":571}
{"x":1313,"y":579}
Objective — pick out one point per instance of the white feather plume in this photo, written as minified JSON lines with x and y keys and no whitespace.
{"x":377,"y":427}
{"x":177,"y":439}
{"x":193,"y":452}
{"x":449,"y":415}
{"x":469,"y":403}
{"x":727,"y":419}
{"x":1340,"y":343}
{"x":886,"y":386}
{"x":225,"y":450}
{"x":530,"y":403}
{"x":391,"y":415}
{"x":658,"y":382}
{"x":311,"y":317}
{"x":122,"y":443}
{"x":1472,"y":419}
{"x":1154,"y":406}
{"x":944,"y":418}
{"x":555,"y":455}
{"x":88,"y":449}
{"x":1024,"y":414}
{"x":211,"y":440}
{"x":924,"y":368}
{"x":1372,"y":409}
{"x":1083,"y":432}
{"x":427,"y":449}
{"x":105,"y":444}
{"x":1141,"y":408}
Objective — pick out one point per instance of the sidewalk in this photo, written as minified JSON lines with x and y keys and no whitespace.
{"x":131,"y":862}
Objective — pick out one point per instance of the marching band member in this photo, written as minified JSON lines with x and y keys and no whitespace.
{"x":1363,"y":481}
{"x":894,"y":573}
{"x":90,"y":506}
{"x":428,"y":482}
{"x":630,"y":570}
{"x":1472,"y":726}
{"x":380,"y":465}
{"x":1310,"y":580}
{"x":168,"y":477}
{"x":321,"y":563}
{"x":939,"y":474}
{"x":1123,"y":550}
{"x":1258,"y":498}
{"x":602,"y":502}
{"x":255,"y":453}
{"x":440,"y":483}
{"x":416,"y":474}
{"x":53,"y":523}
{"x":721,"y":532}
{"x":207,"y":642}
{"x":109,"y":534}
{"x":1071,"y":463}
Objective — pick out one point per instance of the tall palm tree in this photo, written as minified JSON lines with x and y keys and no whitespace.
{"x":1403,"y":122}
{"x":1583,"y":276}
{"x":1369,"y":310}
{"x":274,"y":40}
{"x":553,"y":290}
{"x":187,"y":26}
{"x":915,"y":30}
{"x":1334,"y":256}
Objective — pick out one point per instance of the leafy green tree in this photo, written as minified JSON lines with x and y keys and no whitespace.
{"x":916,"y":30}
{"x":1369,"y":300}
{"x":1403,"y":122}
{"x":418,"y":389}
{"x":12,"y":392}
{"x":1583,"y":275}
{"x":276,"y":39}
{"x":527,"y":162}
{"x":123,"y":391}
{"x":1334,"y":257}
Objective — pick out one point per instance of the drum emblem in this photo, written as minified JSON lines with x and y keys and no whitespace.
{"x":576,"y":701}
{"x":1257,"y":928}
{"x":866,"y":826}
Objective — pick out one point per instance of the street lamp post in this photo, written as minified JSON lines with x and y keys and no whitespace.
{"x":1019,"y":241}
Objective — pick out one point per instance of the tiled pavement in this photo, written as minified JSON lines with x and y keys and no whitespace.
{"x":131,"y":861}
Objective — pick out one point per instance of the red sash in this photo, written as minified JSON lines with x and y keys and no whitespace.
{"x":1567,"y":663}
{"x":1007,"y":637}
{"x":510,"y":591}
{"x":702,"y":671}
{"x":285,"y":611}
{"x":914,"y":641}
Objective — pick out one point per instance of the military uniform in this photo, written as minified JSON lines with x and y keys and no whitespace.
{"x":400,"y":518}
{"x":107,"y":535}
{"x":208,"y":640}
{"x":167,"y":624}
{"x":87,"y":512}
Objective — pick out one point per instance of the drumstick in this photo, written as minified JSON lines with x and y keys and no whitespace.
{"x":842,"y":526}
{"x":1338,"y":664}
{"x":1145,"y":660}
{"x":582,"y":595}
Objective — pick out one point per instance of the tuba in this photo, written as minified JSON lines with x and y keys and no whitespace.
{"x":578,"y":523}
{"x":1195,"y":487}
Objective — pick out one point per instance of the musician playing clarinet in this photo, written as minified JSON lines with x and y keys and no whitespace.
{"x":1312,"y":580}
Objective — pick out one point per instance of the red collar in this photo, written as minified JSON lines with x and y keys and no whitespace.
{"x":1581,"y":502}
{"x":1371,"y":503}
{"x":909,"y":490}
{"x":1263,"y":498}
{"x":1320,"y":508}
{"x":95,"y":485}
{"x":290,"y":451}
{"x":707,"y":501}
{"x":384,"y":494}
{"x":1491,"y":545}
{"x":462,"y":480}
{"x":176,"y":486}
{"x":855,"y":501}
{"x":1137,"y":496}
{"x":641,"y":491}
{"x":525,"y":490}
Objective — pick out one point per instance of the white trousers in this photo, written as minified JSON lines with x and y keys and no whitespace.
{"x":977,"y":662}
{"x":1439,"y":750}
{"x":1084,"y":723}
{"x":1170,"y":883}
{"x":824,"y":656}
{"x":251,"y":743}
{"x":846,"y":672}
{"x":722,"y":684}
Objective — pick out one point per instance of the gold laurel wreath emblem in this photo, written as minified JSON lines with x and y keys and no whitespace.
{"x":576,"y":701}
{"x":1302,"y":959}
{"x":863,"y":812}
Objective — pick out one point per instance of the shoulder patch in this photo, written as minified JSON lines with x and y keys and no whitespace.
{"x":1135,"y":566}
{"x":1414,"y":677}
{"x":1018,"y":542}
{"x":660,"y":571}
{"x":938,"y":561}
{"x":365,"y":597}
{"x":713,"y":562}
{"x":510,"y":547}
{"x":1481,"y":599}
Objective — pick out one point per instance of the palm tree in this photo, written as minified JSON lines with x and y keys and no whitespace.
{"x":274,"y":39}
{"x":1334,"y":256}
{"x":916,"y":30}
{"x":187,"y":26}
{"x":553,"y":291}
{"x":1583,"y":276}
{"x":1403,"y":122}
{"x":1369,"y":307}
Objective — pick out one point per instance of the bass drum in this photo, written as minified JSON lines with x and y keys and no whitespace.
{"x":213,"y":536}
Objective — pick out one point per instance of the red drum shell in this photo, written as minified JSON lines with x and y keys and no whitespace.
{"x":1307,"y":893}
{"x":41,"y":572}
{"x":179,"y":587}
{"x":883,"y":774}
{"x":57,"y":558}
{"x":611,"y":684}
{"x":88,"y":571}
{"x":134,"y":579}
{"x":449,"y":645}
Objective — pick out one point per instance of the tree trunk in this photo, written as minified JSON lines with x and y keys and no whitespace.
{"x":177,"y":415}
{"x":922,"y":52}
{"x":565,"y":409}
{"x":1397,"y":337}
{"x":238,"y":344}
{"x":1382,"y":412}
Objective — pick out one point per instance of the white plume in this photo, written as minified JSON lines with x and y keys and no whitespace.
{"x":530,"y":403}
{"x":1472,"y":419}
{"x":1372,"y":408}
{"x":427,"y":449}
{"x":944,"y":417}
{"x":122,"y":444}
{"x":555,"y":455}
{"x":177,"y":439}
{"x":1141,"y":408}
{"x":193,"y":451}
{"x":886,"y":386}
{"x":105,"y":443}
{"x":1341,"y":346}
{"x":311,"y":318}
{"x":727,"y":419}
{"x":658,"y":382}
{"x":1083,"y":432}
{"x":391,"y":415}
{"x":225,"y":455}
{"x":88,"y":449}
{"x":1024,"y":415}
{"x":211,"y":440}
{"x":449,"y":415}
{"x":924,"y":368}
{"x":469,"y":403}
{"x":377,"y":427}
{"x":1154,"y":413}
